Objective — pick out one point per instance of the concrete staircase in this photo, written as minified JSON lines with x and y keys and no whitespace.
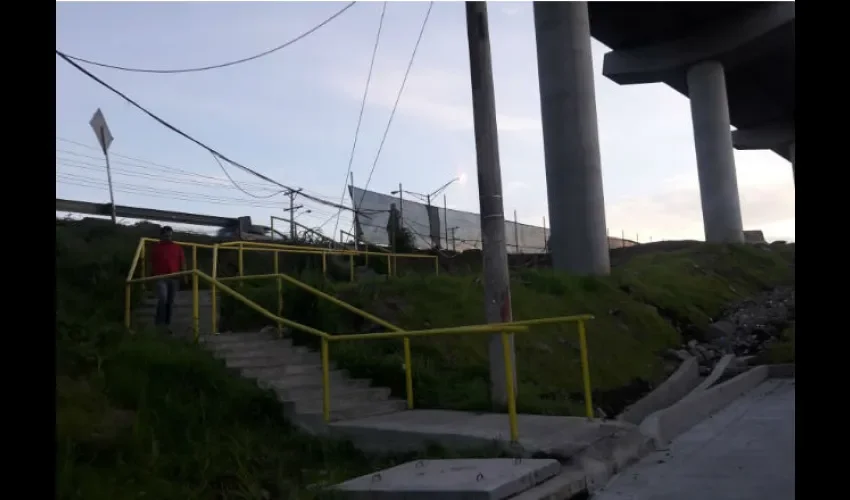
{"x":294,"y":373}
{"x":181,"y":314}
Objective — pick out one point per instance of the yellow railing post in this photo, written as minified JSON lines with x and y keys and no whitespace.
{"x":279,"y":293}
{"x":326,"y":381}
{"x":351,"y":268}
{"x":196,"y":306}
{"x":324,"y":264}
{"x":143,"y":272}
{"x":437,"y":265}
{"x":389,"y":266}
{"x":214,"y":292}
{"x":585,"y":369}
{"x":127,"y":299}
{"x":509,"y":386}
{"x":241,"y":262}
{"x":408,"y":373}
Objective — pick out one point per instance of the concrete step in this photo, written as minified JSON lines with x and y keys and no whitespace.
{"x":256,"y":346}
{"x":340,"y":391}
{"x":304,"y":380}
{"x":272,"y":358}
{"x":351,"y":397}
{"x":350,"y":410}
{"x":280,"y":351}
{"x":279,"y":372}
{"x":339,"y":387}
{"x":272,"y":361}
{"x":183,"y":298}
{"x":182,"y":304}
{"x":239,"y":337}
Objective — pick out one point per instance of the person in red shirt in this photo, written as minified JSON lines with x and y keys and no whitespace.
{"x":166,"y":258}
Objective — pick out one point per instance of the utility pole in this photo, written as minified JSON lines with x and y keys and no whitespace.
{"x":497,"y":290}
{"x":446,"y":219}
{"x":293,"y":234}
{"x":545,"y":239}
{"x":400,"y":207}
{"x":430,"y":227}
{"x":292,"y":215}
{"x":354,"y":225}
{"x":516,"y":233}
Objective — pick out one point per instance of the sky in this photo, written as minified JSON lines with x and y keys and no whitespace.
{"x":292,"y":116}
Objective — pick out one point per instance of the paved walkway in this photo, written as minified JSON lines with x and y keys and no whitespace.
{"x":744,"y":452}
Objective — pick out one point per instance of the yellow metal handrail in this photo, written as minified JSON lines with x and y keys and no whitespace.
{"x":242,"y":246}
{"x":489,"y":328}
{"x":216,"y":284}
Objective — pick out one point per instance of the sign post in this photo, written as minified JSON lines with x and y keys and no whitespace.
{"x":104,"y":137}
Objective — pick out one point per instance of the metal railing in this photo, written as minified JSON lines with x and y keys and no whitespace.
{"x":256,"y":246}
{"x":216,"y":284}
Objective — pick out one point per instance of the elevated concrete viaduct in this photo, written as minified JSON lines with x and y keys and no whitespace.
{"x":734,"y":60}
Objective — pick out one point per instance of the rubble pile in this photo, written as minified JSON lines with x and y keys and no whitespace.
{"x":744,"y":329}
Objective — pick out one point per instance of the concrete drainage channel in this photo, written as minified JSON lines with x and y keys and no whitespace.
{"x":675,"y":406}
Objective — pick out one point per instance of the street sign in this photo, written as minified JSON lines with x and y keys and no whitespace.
{"x":104,"y":137}
{"x":101,"y":130}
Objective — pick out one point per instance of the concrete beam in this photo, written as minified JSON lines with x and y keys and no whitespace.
{"x":730,"y":43}
{"x":767,"y":137}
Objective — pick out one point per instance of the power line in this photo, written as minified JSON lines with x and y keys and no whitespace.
{"x":221,"y":65}
{"x":395,"y":107}
{"x":187,"y":136}
{"x":160,"y":192}
{"x":142,"y":164}
{"x":237,"y":186}
{"x":397,"y":99}
{"x":362,"y":109}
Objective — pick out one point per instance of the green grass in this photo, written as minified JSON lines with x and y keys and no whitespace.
{"x":143,"y":416}
{"x":640,"y":310}
{"x":783,"y":351}
{"x":147,"y":417}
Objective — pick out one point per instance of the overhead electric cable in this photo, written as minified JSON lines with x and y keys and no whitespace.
{"x":221,"y":65}
{"x":394,"y":108}
{"x":190,"y":138}
{"x":362,"y":109}
{"x":397,"y":99}
{"x":139,"y":163}
{"x":237,"y":186}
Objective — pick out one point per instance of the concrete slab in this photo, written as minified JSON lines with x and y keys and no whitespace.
{"x":458,"y":479}
{"x":556,"y":436}
{"x":744,"y":452}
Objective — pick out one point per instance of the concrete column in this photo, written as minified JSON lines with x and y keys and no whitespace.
{"x":792,"y":149}
{"x":718,"y":184}
{"x":578,"y":239}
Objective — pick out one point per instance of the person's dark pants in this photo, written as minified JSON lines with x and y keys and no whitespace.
{"x":166,"y":290}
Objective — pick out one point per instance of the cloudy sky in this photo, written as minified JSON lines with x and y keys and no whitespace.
{"x":292,"y":116}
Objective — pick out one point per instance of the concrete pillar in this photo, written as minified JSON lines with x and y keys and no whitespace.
{"x":578,"y":238}
{"x":792,"y":149}
{"x":718,"y":184}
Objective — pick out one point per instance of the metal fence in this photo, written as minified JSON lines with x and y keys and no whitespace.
{"x":434,"y":226}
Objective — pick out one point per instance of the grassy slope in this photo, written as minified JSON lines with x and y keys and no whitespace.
{"x":148,"y":416}
{"x":632,"y":308}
